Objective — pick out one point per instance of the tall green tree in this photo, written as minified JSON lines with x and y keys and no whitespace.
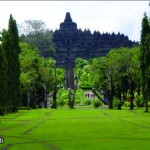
{"x":28,"y":58}
{"x":37,"y":76}
{"x":13,"y":31}
{"x":10,"y":44}
{"x":3,"y":81}
{"x":117,"y":74}
{"x":144,"y":59}
{"x":46,"y":74}
{"x":83,"y":66}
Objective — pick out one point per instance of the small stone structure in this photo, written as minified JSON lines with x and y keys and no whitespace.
{"x":89,"y":95}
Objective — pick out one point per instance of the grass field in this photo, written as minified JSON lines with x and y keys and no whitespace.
{"x":78,"y":129}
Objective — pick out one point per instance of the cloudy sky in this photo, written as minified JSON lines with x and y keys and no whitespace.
{"x":104,"y":16}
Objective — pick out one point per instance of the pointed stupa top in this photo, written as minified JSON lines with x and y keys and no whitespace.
{"x":68,"y":24}
{"x":68,"y":17}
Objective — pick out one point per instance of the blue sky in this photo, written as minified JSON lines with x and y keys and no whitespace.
{"x":104,"y":16}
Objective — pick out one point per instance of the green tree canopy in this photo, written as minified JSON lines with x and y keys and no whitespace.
{"x":3,"y":81}
{"x":144,"y":59}
{"x":10,"y":44}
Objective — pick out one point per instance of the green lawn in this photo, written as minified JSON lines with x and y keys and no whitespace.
{"x":78,"y":129}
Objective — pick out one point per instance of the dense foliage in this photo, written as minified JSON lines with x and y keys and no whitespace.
{"x":3,"y":81}
{"x":37,"y":76}
{"x":145,"y":59}
{"x":62,"y":97}
{"x":27,"y":78}
{"x":117,"y":74}
{"x":35,"y":32}
{"x":10,"y":45}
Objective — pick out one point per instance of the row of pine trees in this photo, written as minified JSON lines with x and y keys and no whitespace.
{"x":9,"y":69}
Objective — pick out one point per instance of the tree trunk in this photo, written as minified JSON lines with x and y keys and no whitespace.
{"x":110,"y":102}
{"x":120,"y":98}
{"x":71,"y":96}
{"x":71,"y":105}
{"x":45,"y":93}
{"x":54,"y":105}
{"x":146,"y":91}
{"x":28,"y":95}
{"x":111,"y":93}
{"x":146,"y":106}
{"x":131,"y":94}
{"x":45,"y":100}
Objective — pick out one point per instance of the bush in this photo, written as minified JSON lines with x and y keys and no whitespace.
{"x":80,"y":96}
{"x":62,"y":96}
{"x":97,"y":103}
{"x":134,"y":104}
{"x":148,"y":104}
{"x":139,"y":101}
{"x":2,"y":111}
{"x":116,"y":102}
{"x":77,"y":101}
{"x":127,"y":104}
{"x":87,"y":102}
{"x":61,"y":102}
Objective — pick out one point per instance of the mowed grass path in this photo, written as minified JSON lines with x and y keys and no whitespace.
{"x":78,"y":129}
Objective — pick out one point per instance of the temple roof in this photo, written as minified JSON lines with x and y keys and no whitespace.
{"x":68,"y":17}
{"x":68,"y":24}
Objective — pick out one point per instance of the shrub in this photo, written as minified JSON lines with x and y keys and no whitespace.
{"x":134,"y":104}
{"x":77,"y":101}
{"x":87,"y":102}
{"x":148,"y":104}
{"x":51,"y":103}
{"x":116,"y":102}
{"x":80,"y":96}
{"x":139,"y":101}
{"x":97,"y":103}
{"x":127,"y":104}
{"x":61,"y":102}
{"x":62,"y":96}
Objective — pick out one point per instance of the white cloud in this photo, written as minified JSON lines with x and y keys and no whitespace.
{"x":104,"y":16}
